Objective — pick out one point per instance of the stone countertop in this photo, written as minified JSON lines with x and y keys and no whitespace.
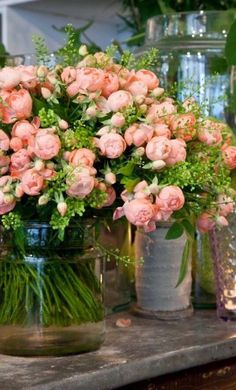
{"x":148,"y":348}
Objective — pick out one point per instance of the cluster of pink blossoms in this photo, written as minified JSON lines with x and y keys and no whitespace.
{"x":105,"y":95}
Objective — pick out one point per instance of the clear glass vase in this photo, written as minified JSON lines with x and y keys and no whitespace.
{"x":224,"y":252}
{"x":191,"y":50}
{"x":51,"y":295}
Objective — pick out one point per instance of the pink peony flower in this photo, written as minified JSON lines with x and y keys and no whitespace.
{"x":111,"y":196}
{"x":138,"y":134}
{"x":110,"y":84}
{"x":68,"y":75}
{"x":147,"y":77}
{"x":210,"y":133}
{"x":139,"y":212}
{"x":45,"y":144}
{"x":182,"y":126}
{"x":31,"y":182}
{"x":20,"y":161}
{"x":28,"y":76}
{"x":4,"y":141}
{"x":90,"y":79}
{"x":161,"y":129}
{"x":24,"y":130}
{"x":7,"y":203}
{"x":177,"y":153}
{"x":18,"y":105}
{"x":112,"y":145}
{"x":9,"y":78}
{"x":16,"y":144}
{"x":137,"y":88}
{"x":118,"y":100}
{"x":205,"y":222}
{"x":160,"y":110}
{"x":170,"y":198}
{"x":82,"y":156}
{"x":229,"y":156}
{"x":117,"y":119}
{"x":80,"y":183}
{"x":158,"y":148}
{"x":4,"y":164}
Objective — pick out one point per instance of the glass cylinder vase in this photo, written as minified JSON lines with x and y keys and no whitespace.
{"x":224,"y":254}
{"x":51,"y":296}
{"x":156,"y":276}
{"x":191,"y":53}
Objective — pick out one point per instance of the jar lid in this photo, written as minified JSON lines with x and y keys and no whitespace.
{"x":202,"y":28}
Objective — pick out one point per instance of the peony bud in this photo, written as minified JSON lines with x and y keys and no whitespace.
{"x":158,"y":91}
{"x":63,"y":124}
{"x":118,"y":120}
{"x":39,"y":165}
{"x":139,"y":99}
{"x":139,"y":151}
{"x":6,"y":188}
{"x":154,"y":188}
{"x":8,"y":198}
{"x":83,"y":51}
{"x":42,"y":71}
{"x":110,"y":178}
{"x":46,"y":93}
{"x":62,"y":208}
{"x":43,"y":199}
{"x":50,"y":165}
{"x":91,"y":111}
{"x":158,"y":164}
{"x":52,"y":79}
{"x":19,"y":191}
{"x":143,"y":108}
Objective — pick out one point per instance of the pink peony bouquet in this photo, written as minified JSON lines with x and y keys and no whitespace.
{"x":103,"y":137}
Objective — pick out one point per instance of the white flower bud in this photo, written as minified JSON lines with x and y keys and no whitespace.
{"x":39,"y":165}
{"x":140,"y":151}
{"x":158,"y":91}
{"x":139,"y":99}
{"x":19,"y":191}
{"x":83,"y":51}
{"x":158,"y":164}
{"x":8,"y":198}
{"x":62,"y":208}
{"x":91,"y":111}
{"x":46,"y":93}
{"x":63,"y":124}
{"x":43,"y":199}
{"x":154,"y":188}
{"x":110,"y":178}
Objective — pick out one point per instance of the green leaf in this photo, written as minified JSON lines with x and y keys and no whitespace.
{"x":184,"y":263}
{"x":182,"y":213}
{"x":230,"y":51}
{"x":189,"y":229}
{"x":175,"y":231}
{"x":127,"y":169}
{"x":129,"y":183}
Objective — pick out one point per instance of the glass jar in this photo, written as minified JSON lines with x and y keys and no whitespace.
{"x":51,"y":295}
{"x":191,"y":47}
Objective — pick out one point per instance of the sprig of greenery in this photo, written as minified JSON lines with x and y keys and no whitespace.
{"x":41,"y":50}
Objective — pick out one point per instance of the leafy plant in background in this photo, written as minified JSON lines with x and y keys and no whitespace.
{"x":230,"y":54}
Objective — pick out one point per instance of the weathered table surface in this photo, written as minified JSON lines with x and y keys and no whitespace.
{"x":148,"y":348}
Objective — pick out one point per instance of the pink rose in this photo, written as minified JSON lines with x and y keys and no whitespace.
{"x":139,"y":212}
{"x":118,"y":100}
{"x":147,"y":77}
{"x":110,"y":84}
{"x":210,"y":133}
{"x":45,"y":145}
{"x":68,"y":75}
{"x":4,"y":141}
{"x":157,"y":111}
{"x":82,"y":156}
{"x":18,"y":106}
{"x":9,"y":78}
{"x":23,"y":130}
{"x":229,"y":156}
{"x":177,"y":153}
{"x":4,"y":164}
{"x":80,"y":182}
{"x":158,"y":148}
{"x":162,"y":129}
{"x":226,"y":205}
{"x":205,"y":222}
{"x":87,"y":79}
{"x":182,"y":126}
{"x":170,"y":198}
{"x":138,"y":134}
{"x":20,"y":161}
{"x":112,"y":145}
{"x":31,"y":182}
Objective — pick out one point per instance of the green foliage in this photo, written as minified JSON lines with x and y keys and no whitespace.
{"x":41,"y":50}
{"x":175,"y":231}
{"x":11,"y":220}
{"x":230,"y":51}
{"x":185,"y":262}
